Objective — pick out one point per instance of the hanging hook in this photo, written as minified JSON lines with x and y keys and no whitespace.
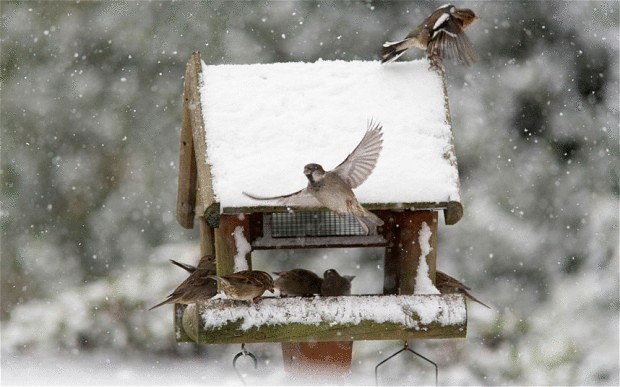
{"x":406,"y":348}
{"x":244,"y":352}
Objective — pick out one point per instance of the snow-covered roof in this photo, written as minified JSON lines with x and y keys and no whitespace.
{"x":264,"y":122}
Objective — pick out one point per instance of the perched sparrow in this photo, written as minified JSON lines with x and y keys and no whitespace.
{"x":336,"y":285}
{"x":207,"y":263}
{"x":247,"y":285}
{"x":446,"y":285}
{"x":334,"y":189}
{"x":197,"y":287}
{"x":298,"y":282}
{"x":441,"y":35}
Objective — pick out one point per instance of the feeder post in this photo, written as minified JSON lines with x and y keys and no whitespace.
{"x":403,"y":250}
{"x":225,"y":248}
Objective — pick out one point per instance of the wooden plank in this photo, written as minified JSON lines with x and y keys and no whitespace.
{"x":449,"y":309}
{"x":266,"y":243}
{"x":180,"y":334}
{"x":204,"y":186}
{"x":454,"y":210}
{"x":453,"y":213}
{"x":186,"y":190}
{"x":420,"y":206}
{"x":225,"y":249}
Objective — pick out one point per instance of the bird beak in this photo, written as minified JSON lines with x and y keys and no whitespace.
{"x":307,"y":171}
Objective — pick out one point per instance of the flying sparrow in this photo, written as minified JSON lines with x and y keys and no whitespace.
{"x":334,"y":189}
{"x":446,"y":285}
{"x":247,"y":285}
{"x":441,"y":35}
{"x":197,"y":287}
{"x":336,"y":285}
{"x":298,"y":282}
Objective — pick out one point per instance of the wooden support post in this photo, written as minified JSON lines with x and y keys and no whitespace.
{"x":391,"y":259}
{"x":225,"y":249}
{"x":207,"y":238}
{"x":331,"y":358}
{"x":410,"y":249}
{"x":402,"y":253}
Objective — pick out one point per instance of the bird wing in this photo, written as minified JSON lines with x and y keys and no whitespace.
{"x":359,"y":164}
{"x":301,"y":198}
{"x":245,"y":277}
{"x":448,"y":40}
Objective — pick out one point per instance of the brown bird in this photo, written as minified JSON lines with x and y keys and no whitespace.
{"x":247,"y":285}
{"x":441,"y":35}
{"x":298,"y":282}
{"x":336,"y":285}
{"x":334,"y":189}
{"x":448,"y":285}
{"x":197,"y":287}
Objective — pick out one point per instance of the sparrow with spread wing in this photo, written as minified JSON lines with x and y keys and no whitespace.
{"x":197,"y":287}
{"x":441,"y":35}
{"x":334,"y":189}
{"x":447,"y":285}
{"x":246,"y":285}
{"x":336,"y":285}
{"x":298,"y":282}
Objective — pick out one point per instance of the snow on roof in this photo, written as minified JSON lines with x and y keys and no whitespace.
{"x":410,"y":311}
{"x":264,"y":122}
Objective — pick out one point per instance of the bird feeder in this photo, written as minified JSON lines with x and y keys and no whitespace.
{"x":253,"y":128}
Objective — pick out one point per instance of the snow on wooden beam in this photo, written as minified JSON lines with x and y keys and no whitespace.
{"x":326,"y":319}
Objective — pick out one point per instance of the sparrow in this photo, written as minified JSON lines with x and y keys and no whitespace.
{"x":336,"y":285}
{"x":246,"y":285}
{"x":197,"y":287}
{"x":446,"y":285}
{"x":334,"y":189}
{"x":298,"y":282}
{"x":441,"y":35}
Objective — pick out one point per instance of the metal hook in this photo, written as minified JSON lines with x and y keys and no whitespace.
{"x":406,"y":348}
{"x":244,"y":352}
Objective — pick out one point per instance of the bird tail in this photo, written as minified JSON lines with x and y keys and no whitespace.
{"x":390,"y":51}
{"x":184,"y":266}
{"x":475,"y":299}
{"x":160,"y":304}
{"x":369,"y":221}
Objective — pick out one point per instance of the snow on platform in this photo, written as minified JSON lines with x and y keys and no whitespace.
{"x":409,"y":311}
{"x":292,"y":319}
{"x":264,"y":122}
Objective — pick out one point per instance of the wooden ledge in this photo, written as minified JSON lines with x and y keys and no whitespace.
{"x":308,"y":319}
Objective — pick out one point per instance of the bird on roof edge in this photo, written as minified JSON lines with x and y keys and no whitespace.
{"x":334,"y":189}
{"x":442,"y":36}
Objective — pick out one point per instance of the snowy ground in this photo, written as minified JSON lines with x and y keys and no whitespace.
{"x":110,"y":368}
